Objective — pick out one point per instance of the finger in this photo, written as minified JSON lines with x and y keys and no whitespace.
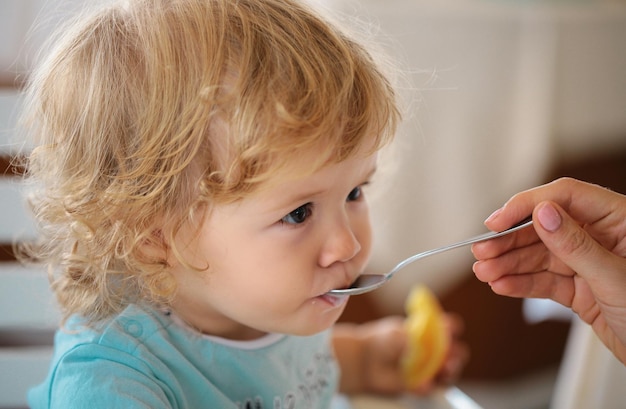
{"x":457,"y":358}
{"x":568,"y":241}
{"x":503,"y":244}
{"x":454,"y":323}
{"x":586,"y":202}
{"x":537,"y":285}
{"x":534,"y":258}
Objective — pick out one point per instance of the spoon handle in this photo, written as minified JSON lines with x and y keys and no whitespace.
{"x":481,"y":237}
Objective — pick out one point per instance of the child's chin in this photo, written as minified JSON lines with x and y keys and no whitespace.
{"x":325,"y":315}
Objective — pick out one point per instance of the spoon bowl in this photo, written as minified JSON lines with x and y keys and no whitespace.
{"x":369,"y":282}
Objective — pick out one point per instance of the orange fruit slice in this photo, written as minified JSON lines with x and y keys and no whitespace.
{"x":428,"y":338}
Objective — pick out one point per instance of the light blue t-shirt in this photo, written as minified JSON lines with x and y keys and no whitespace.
{"x":147,"y":359}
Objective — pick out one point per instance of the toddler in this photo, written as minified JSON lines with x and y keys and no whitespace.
{"x":198,"y":183}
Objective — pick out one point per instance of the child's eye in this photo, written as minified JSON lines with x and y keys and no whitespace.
{"x":355,"y":194}
{"x":299,"y":215}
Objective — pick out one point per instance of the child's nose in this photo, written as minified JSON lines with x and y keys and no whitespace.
{"x":340,"y":244}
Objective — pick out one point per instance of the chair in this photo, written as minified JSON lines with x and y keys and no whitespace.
{"x":28,"y":316}
{"x":590,"y":376}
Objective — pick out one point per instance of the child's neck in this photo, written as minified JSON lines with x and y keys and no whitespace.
{"x":218,"y":328}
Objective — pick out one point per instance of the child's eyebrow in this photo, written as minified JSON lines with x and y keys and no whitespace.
{"x":371,"y":173}
{"x":288,"y":200}
{"x":302,"y":196}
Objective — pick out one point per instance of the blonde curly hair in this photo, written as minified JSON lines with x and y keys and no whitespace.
{"x":125,"y":110}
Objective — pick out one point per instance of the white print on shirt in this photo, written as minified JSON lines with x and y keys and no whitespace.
{"x":307,"y":395}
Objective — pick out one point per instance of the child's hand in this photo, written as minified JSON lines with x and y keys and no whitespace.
{"x":454,"y":361}
{"x":383,"y":344}
{"x":431,"y":341}
{"x":371,"y":355}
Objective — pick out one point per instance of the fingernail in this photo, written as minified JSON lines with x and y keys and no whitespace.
{"x":549,"y":218}
{"x":493,"y":215}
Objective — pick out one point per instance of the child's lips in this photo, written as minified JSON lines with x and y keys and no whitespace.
{"x":334,"y":299}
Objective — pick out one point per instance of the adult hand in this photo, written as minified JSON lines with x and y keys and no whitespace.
{"x":575,"y":255}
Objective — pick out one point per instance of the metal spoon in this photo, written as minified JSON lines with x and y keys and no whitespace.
{"x":368,"y":282}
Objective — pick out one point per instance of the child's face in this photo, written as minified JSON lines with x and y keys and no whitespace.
{"x":274,"y":255}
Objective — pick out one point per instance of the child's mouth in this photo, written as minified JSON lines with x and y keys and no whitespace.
{"x":335,"y":299}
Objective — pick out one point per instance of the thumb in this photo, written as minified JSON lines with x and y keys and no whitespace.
{"x":569,"y":242}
